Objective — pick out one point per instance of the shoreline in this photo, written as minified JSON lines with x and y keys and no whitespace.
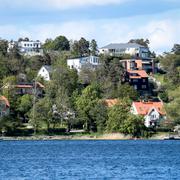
{"x":113,"y":136}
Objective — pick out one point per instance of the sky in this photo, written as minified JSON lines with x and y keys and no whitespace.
{"x":107,"y":21}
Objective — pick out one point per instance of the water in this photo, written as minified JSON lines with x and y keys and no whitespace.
{"x":29,"y":160}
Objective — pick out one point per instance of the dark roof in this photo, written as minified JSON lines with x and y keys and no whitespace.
{"x":122,"y":46}
{"x":48,"y":68}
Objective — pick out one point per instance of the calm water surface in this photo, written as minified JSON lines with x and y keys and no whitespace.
{"x":89,"y":160}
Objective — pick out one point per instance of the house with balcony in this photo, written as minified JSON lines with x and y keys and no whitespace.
{"x":91,"y":62}
{"x":139,"y":64}
{"x":153,"y":112}
{"x":133,"y":49}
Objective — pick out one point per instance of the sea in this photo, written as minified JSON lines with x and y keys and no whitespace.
{"x":90,"y":159}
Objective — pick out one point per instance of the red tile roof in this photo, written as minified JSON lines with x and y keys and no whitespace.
{"x":144,"y":107}
{"x":140,"y":73}
{"x":111,"y":102}
{"x":3,"y":98}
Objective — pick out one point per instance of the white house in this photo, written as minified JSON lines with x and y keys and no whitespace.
{"x":78,"y":63}
{"x":27,"y":47}
{"x":118,"y":49}
{"x":153,"y":112}
{"x":45,"y":72}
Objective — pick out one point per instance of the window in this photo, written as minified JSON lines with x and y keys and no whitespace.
{"x":143,"y":80}
{"x":135,"y":80}
{"x":143,"y":86}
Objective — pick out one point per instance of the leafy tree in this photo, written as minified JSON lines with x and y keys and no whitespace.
{"x":3,"y":47}
{"x":134,"y":125}
{"x":61,"y":43}
{"x":176,"y":49}
{"x":116,"y":117}
{"x":81,"y":47}
{"x":24,"y":105}
{"x":93,"y":47}
{"x":85,"y":102}
{"x":126,"y":91}
{"x":41,"y":113}
{"x":99,"y":116}
{"x":143,"y":42}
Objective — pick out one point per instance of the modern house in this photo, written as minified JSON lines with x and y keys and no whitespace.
{"x":138,"y":79}
{"x":133,"y":49}
{"x":78,"y":63}
{"x":138,"y":64}
{"x":4,"y":106}
{"x":45,"y":72}
{"x":27,"y":47}
{"x":153,"y":112}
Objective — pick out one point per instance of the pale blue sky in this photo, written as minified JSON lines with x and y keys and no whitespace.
{"x":105,"y":20}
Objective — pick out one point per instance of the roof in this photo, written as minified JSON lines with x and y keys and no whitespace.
{"x":143,"y":108}
{"x":3,"y":98}
{"x":111,"y":102}
{"x":30,"y":85}
{"x":140,"y":74}
{"x":48,"y":68}
{"x":122,"y":46}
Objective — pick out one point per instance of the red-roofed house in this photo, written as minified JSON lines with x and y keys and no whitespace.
{"x":153,"y":112}
{"x":138,"y":79}
{"x":4,"y":106}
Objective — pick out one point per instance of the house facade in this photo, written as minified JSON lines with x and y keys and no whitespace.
{"x":4,"y":106}
{"x":27,"y":47}
{"x":45,"y":72}
{"x":153,"y":112}
{"x":138,"y":79}
{"x":29,"y":88}
{"x":133,"y":49}
{"x":78,"y":63}
{"x":139,"y":64}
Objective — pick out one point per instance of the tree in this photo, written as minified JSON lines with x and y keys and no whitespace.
{"x":84,"y":103}
{"x":24,"y":105}
{"x":93,"y":47}
{"x":3,"y":47}
{"x":134,"y":125}
{"x":176,"y":49}
{"x":61,"y":43}
{"x":81,"y":47}
{"x":140,"y":41}
{"x":41,"y":114}
{"x":116,"y":117}
{"x":99,"y":116}
{"x":126,"y":91}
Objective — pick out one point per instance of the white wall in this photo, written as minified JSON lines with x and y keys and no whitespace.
{"x":44,"y":74}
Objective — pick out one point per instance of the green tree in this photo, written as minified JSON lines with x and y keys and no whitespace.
{"x":85,"y":102}
{"x":93,"y":47}
{"x":3,"y":47}
{"x":61,"y":43}
{"x":134,"y":125}
{"x":99,"y":115}
{"x":24,"y":105}
{"x":176,"y":49}
{"x":143,"y":42}
{"x":116,"y":117}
